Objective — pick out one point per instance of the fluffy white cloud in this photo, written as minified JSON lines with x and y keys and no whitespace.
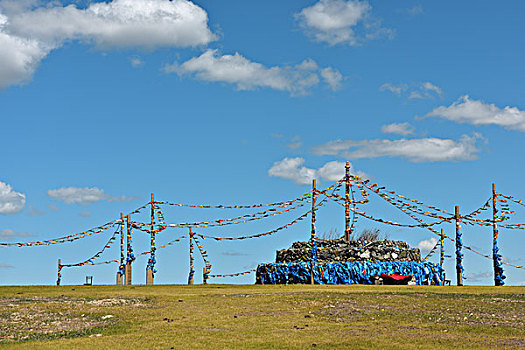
{"x":336,"y":21}
{"x":415,"y":150}
{"x":29,"y":33}
{"x":11,"y":202}
{"x":332,"y":77}
{"x":84,"y":195}
{"x":248,"y":75}
{"x":398,"y":128}
{"x":293,"y":169}
{"x":477,"y":112}
{"x":19,"y":57}
{"x":426,"y":245}
{"x":425,"y":90}
{"x":77,"y":195}
{"x":121,"y":23}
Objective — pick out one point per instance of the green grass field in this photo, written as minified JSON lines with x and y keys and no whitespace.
{"x":262,"y":317}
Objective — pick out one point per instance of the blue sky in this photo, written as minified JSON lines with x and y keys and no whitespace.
{"x":237,"y":102}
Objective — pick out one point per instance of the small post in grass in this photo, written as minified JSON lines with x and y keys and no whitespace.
{"x":312,"y":236}
{"x":127,"y":271}
{"x":120,"y":272}
{"x":192,"y":270}
{"x":459,"y":246}
{"x":347,"y":202}
{"x":151,"y":261}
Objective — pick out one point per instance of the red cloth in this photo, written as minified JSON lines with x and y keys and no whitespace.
{"x":395,"y":276}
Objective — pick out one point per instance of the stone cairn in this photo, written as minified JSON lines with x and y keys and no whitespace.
{"x":339,"y":250}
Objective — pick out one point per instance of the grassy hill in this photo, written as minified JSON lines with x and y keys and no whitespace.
{"x":262,"y":317}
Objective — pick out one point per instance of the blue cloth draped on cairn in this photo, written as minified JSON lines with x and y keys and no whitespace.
{"x":356,"y":272}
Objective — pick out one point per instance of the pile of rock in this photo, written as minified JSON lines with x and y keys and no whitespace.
{"x":339,"y":250}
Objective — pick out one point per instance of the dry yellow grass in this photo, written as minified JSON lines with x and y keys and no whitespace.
{"x":271,"y":317}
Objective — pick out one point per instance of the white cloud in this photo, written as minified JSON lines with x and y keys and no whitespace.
{"x":84,"y":214}
{"x":248,"y":75}
{"x":295,"y":143}
{"x":398,"y":128}
{"x":53,"y":207}
{"x":11,"y":202}
{"x":136,"y":62}
{"x":19,"y":57}
{"x":34,"y":211}
{"x":293,"y":169}
{"x":10,"y":234}
{"x":77,"y":195}
{"x":478,"y":277}
{"x":426,"y":245}
{"x":337,"y":21}
{"x":477,"y":112}
{"x":28,"y":32}
{"x":415,"y":150}
{"x":332,"y":77}
{"x":416,"y":10}
{"x":145,"y":24}
{"x":424,"y":90}
{"x":431,"y":87}
{"x":85,"y":195}
{"x":395,"y":89}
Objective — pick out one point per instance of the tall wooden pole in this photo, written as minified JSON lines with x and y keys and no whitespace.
{"x":347,"y":202}
{"x":192,"y":269}
{"x":312,"y":236}
{"x":127,"y":271}
{"x":498,"y":271}
{"x":59,"y":272}
{"x":442,"y":249}
{"x":459,"y":246}
{"x":151,"y":262}
{"x":120,"y":272}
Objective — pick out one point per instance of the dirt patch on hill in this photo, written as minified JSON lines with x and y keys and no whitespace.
{"x":30,"y":318}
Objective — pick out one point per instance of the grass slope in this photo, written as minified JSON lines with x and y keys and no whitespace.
{"x":262,"y":317}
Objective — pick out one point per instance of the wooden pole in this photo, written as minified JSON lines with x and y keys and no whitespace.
{"x":127,"y":271}
{"x":204,"y":276}
{"x":312,"y":236}
{"x":120,"y":275}
{"x":59,"y":274}
{"x":347,"y":202}
{"x":498,"y":280}
{"x":192,"y":271}
{"x":442,"y":249}
{"x":149,"y":268}
{"x":459,"y":246}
